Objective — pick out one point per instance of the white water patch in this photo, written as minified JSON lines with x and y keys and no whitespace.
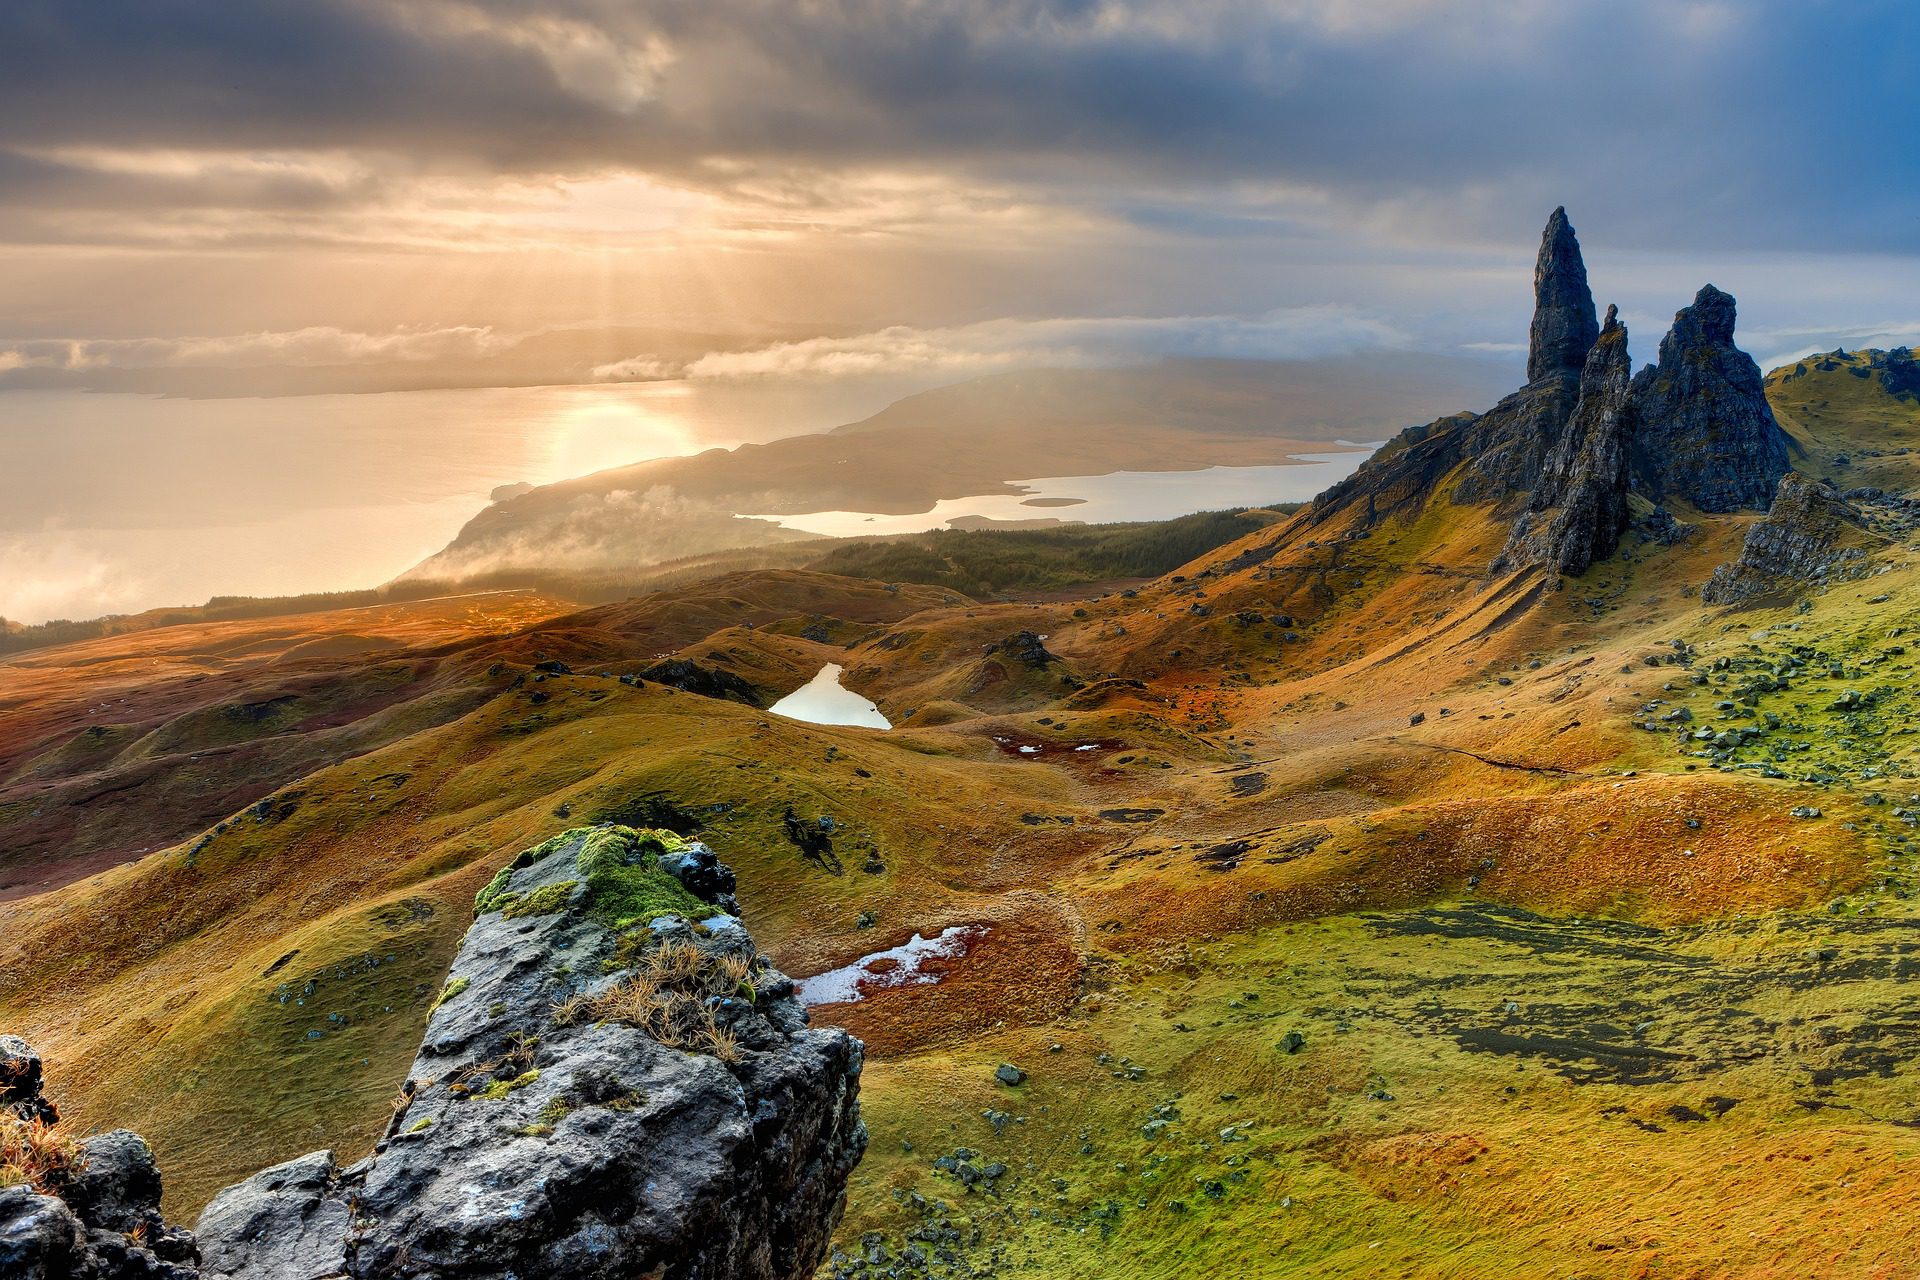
{"x":823,"y":700}
{"x":1120,"y":497}
{"x":901,"y":966}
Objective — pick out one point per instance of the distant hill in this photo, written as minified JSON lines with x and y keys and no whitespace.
{"x":961,"y":441}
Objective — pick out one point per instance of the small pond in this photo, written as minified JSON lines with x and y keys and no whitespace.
{"x":906,"y":965}
{"x":823,"y":700}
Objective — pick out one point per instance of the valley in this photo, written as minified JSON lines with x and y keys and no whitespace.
{"x":1422,"y":879}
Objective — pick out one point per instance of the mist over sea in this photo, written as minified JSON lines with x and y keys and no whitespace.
{"x":112,"y":503}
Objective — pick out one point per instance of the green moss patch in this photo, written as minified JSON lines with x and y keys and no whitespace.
{"x":544,"y":901}
{"x":447,"y":993}
{"x":501,"y":1088}
{"x":555,"y":1110}
{"x":625,"y":885}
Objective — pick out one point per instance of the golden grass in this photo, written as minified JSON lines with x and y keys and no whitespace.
{"x":36,"y":1154}
{"x":667,"y":996}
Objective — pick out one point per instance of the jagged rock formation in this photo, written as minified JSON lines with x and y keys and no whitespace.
{"x":1563,"y":453}
{"x":613,"y":1083}
{"x":1563,"y":328}
{"x":1811,"y":535}
{"x":1705,"y":433}
{"x":1579,"y":509}
{"x":1498,"y":454}
{"x":96,"y":1213}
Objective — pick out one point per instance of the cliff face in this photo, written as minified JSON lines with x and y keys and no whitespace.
{"x":613,"y":1084}
{"x":1705,"y":433}
{"x":1579,"y":509}
{"x":1563,"y":453}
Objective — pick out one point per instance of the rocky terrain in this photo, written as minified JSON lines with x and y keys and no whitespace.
{"x":614,"y":1082}
{"x":1811,"y":535}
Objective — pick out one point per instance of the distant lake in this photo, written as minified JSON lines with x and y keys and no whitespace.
{"x":112,"y":503}
{"x":1116,"y":498}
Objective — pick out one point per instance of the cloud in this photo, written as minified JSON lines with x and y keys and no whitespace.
{"x":56,"y":576}
{"x":318,"y":345}
{"x":1690,"y":123}
{"x":1780,"y":346}
{"x":638,"y":369}
{"x":619,"y":530}
{"x":989,"y":346}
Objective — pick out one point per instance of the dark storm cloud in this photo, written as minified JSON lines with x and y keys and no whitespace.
{"x":1677,"y":123}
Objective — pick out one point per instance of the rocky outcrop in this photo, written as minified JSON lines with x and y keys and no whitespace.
{"x":613,"y":1083}
{"x":86,"y":1210}
{"x":1899,"y":373}
{"x":708,"y":682}
{"x":1580,"y":508}
{"x":1705,"y":433}
{"x":1564,"y":328}
{"x":1563,"y":453}
{"x":1810,"y":537}
{"x":1024,"y":647}
{"x":21,"y":1082}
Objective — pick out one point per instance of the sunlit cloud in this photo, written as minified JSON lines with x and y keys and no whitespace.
{"x":44,"y":577}
{"x":760,"y":165}
{"x":991,"y":346}
{"x":615,"y":69}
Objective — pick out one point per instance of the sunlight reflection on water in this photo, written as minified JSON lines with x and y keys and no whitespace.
{"x":1120,"y":497}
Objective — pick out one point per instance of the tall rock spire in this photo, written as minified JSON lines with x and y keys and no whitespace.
{"x":1564,"y":325}
{"x":1706,"y":433}
{"x":1580,"y":508}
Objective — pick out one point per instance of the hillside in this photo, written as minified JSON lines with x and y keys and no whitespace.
{"x":1431,"y":877}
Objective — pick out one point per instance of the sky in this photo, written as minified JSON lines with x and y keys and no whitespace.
{"x":557,"y":190}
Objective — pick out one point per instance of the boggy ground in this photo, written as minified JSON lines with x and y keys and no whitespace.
{"x":1348,"y":912}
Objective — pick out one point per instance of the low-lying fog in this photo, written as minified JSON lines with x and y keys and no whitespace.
{"x":112,"y":503}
